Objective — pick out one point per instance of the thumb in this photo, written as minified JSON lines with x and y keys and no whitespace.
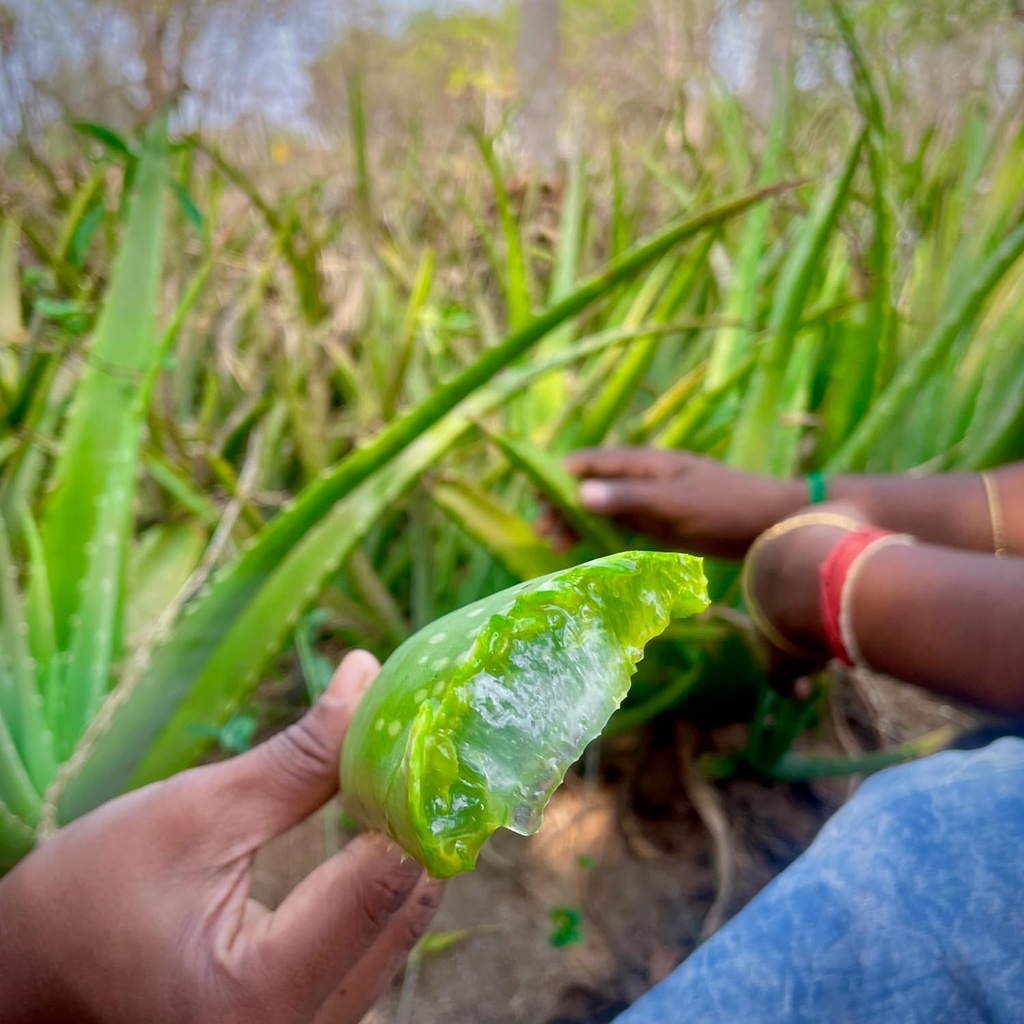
{"x":283,"y":781}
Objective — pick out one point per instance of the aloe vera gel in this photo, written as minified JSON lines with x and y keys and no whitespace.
{"x":474,"y":721}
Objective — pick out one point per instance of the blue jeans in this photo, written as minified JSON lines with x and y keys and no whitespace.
{"x":909,"y":907}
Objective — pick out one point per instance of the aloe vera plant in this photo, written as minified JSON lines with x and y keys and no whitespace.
{"x":214,"y":655}
{"x":473,"y":722}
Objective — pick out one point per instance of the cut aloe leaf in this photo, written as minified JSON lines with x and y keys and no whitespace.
{"x":474,"y":721}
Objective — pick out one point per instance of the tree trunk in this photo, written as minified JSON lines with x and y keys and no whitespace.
{"x":540,"y":86}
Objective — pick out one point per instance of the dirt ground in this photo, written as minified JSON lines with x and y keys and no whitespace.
{"x":638,"y":846}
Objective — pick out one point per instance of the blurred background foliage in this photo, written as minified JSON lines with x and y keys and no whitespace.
{"x":409,"y":257}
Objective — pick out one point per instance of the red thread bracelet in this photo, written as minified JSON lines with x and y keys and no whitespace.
{"x":832,"y":579}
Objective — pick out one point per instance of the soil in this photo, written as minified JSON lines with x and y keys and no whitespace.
{"x":624,"y":849}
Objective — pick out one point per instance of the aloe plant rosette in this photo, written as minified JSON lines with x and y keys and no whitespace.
{"x":474,"y":721}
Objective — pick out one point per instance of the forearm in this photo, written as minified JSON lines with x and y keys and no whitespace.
{"x":950,"y":509}
{"x":947,"y":620}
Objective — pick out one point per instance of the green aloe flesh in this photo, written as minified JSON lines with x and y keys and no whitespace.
{"x":474,"y":721}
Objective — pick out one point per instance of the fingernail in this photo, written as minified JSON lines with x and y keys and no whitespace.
{"x":352,"y":677}
{"x":594,"y":494}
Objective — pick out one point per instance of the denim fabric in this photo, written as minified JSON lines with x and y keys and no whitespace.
{"x":909,"y":907}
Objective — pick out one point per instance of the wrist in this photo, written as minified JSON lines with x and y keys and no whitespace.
{"x":786,"y":583}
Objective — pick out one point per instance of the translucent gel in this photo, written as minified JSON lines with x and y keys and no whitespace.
{"x":474,"y":721}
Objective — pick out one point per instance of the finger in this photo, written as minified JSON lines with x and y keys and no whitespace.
{"x":629,"y":463}
{"x":283,"y":781}
{"x":336,"y":916}
{"x":628,"y":497}
{"x":354,"y":997}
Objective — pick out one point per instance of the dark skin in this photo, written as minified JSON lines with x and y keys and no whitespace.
{"x":944,"y":614}
{"x":706,"y":508}
{"x":140,"y":911}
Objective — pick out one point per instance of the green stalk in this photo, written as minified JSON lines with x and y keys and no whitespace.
{"x":923,"y":363}
{"x":758,"y":426}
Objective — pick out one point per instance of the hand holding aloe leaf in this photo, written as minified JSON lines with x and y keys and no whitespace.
{"x":474,"y":721}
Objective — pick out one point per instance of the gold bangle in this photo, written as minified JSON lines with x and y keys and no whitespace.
{"x":995,"y":514}
{"x":754,"y":610}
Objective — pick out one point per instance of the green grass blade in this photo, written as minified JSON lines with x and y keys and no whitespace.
{"x":899,"y":396}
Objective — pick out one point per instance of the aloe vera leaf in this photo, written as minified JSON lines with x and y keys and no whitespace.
{"x":28,"y":724}
{"x":732,"y":341}
{"x":357,"y":130}
{"x":509,"y":537}
{"x":999,"y":410}
{"x":16,"y":839}
{"x":875,"y":365}
{"x":16,"y":788}
{"x":621,"y":387}
{"x":10,"y":283}
{"x":11,"y":333}
{"x":560,"y":487}
{"x":680,"y":431}
{"x":145,"y":730}
{"x":159,"y":565}
{"x":226,"y":636}
{"x":181,"y":488}
{"x":88,"y":521}
{"x":544,"y":401}
{"x":42,"y":641}
{"x":920,"y":366}
{"x":474,"y":721}
{"x":87,"y":199}
{"x":670,"y":403}
{"x":758,"y":426}
{"x":410,"y":323}
{"x":375,"y":597}
{"x":577,"y":425}
{"x":515,"y":280}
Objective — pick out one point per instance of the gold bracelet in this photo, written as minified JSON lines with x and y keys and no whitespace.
{"x":754,"y":610}
{"x":995,"y":514}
